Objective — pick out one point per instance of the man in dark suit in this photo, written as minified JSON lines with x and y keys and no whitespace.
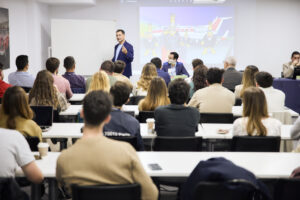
{"x":173,"y":67}
{"x":123,"y":51}
{"x":231,"y":76}
{"x":157,"y":62}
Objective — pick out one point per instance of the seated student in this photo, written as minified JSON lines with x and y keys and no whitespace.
{"x":44,"y":93}
{"x":3,"y":85}
{"x":62,"y":84}
{"x":177,"y":119}
{"x":157,"y":96}
{"x":256,"y":120}
{"x":77,"y":82}
{"x":108,"y":67}
{"x":220,"y":170}
{"x":173,"y":67}
{"x":231,"y":76}
{"x":247,"y":81}
{"x":148,"y":73}
{"x":157,"y":62}
{"x":288,"y":68}
{"x":16,"y":114}
{"x":122,"y":124}
{"x":198,"y":80}
{"x":195,"y":63}
{"x":275,"y":98}
{"x":99,"y":81}
{"x":97,"y":160}
{"x":21,"y":77}
{"x":215,"y":98}
{"x":15,"y":152}
{"x":118,"y":73}
{"x":295,"y":133}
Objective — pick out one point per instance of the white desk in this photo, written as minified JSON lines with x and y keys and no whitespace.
{"x":77,"y":97}
{"x":72,"y":110}
{"x":181,"y":164}
{"x":207,"y":131}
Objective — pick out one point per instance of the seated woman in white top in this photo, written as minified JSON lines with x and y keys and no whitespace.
{"x":247,"y":81}
{"x":255,"y":120}
{"x":148,"y":73}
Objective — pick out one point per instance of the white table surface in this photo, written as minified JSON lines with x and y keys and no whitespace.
{"x":236,"y":110}
{"x":207,"y":131}
{"x":181,"y":164}
{"x":77,"y":97}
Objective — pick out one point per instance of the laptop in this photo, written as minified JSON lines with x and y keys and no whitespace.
{"x":296,"y":74}
{"x":43,"y":116}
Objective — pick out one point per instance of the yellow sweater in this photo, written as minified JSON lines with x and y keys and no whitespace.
{"x":100,"y":160}
{"x":25,"y":126}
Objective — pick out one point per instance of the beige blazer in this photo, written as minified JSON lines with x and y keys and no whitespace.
{"x":213,"y":99}
{"x":288,"y":70}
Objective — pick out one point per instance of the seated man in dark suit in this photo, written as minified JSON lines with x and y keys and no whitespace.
{"x":173,"y":67}
{"x":157,"y":62}
{"x":177,"y":119}
{"x":122,"y":124}
{"x":231,"y":76}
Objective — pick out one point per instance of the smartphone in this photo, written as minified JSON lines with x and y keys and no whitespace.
{"x":154,"y":166}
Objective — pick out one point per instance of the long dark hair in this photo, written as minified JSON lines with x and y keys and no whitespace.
{"x":199,"y":77}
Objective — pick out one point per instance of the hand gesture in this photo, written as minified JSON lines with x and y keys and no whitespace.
{"x":124,"y":50}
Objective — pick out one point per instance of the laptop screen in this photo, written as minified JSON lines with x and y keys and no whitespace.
{"x":43,"y":115}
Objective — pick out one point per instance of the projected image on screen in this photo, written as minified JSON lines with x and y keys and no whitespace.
{"x":194,"y":32}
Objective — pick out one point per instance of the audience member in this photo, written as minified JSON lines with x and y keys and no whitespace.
{"x":122,"y":124}
{"x":288,"y":68}
{"x":148,"y":73}
{"x":247,"y":81}
{"x":99,"y":81}
{"x":198,"y":79}
{"x":215,"y":98}
{"x":21,"y":77}
{"x":177,"y":119}
{"x":275,"y":98}
{"x":62,"y":84}
{"x":118,"y":73}
{"x":231,"y":76}
{"x":256,"y":120}
{"x":77,"y":82}
{"x":195,"y":63}
{"x":173,"y":67}
{"x":161,"y":73}
{"x":45,"y":93}
{"x":108,"y":67}
{"x":15,"y":152}
{"x":295,"y":131}
{"x":3,"y":85}
{"x":157,"y":95}
{"x":95,"y":159}
{"x":16,"y":113}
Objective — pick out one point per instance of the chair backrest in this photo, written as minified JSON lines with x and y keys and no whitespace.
{"x":130,"y":139}
{"x":255,"y":143}
{"x":177,"y":144}
{"x":238,"y":102}
{"x":9,"y":189}
{"x":27,"y":89}
{"x":43,"y":115}
{"x":287,"y":189}
{"x":106,"y":192}
{"x":228,"y":190}
{"x":134,"y":100}
{"x":33,"y":143}
{"x":144,"y":115}
{"x":217,"y":118}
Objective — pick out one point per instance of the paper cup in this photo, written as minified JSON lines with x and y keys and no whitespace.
{"x":43,"y":149}
{"x":150,"y":125}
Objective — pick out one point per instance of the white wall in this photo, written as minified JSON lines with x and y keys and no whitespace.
{"x":29,"y":27}
{"x":266,"y":31}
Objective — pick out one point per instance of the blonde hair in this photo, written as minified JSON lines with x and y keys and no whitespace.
{"x":255,"y":108}
{"x":148,"y":73}
{"x":100,"y":81}
{"x":157,"y":95}
{"x":248,"y":78}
